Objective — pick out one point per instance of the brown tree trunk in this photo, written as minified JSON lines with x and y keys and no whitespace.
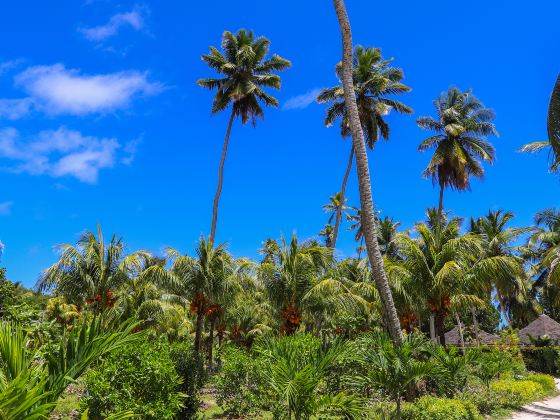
{"x":342,"y":196}
{"x":432,"y":327}
{"x":440,"y":328}
{"x":460,"y":327}
{"x":475,"y":323}
{"x":503,"y":308}
{"x":364,"y":182}
{"x":211,"y":344}
{"x":198,"y":330}
{"x":220,"y":182}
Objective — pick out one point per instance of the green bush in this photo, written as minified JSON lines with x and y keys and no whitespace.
{"x":434,"y":408}
{"x":237,"y":383}
{"x":140,"y":378}
{"x":546,"y":381}
{"x":542,"y":359}
{"x":190,"y":368}
{"x":512,"y":393}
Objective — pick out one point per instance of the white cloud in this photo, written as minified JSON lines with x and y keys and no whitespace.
{"x":59,"y":153}
{"x":13,"y":109}
{"x":133,"y":19}
{"x":5,"y":210}
{"x":9,"y":65}
{"x":57,"y":90}
{"x":302,"y":101}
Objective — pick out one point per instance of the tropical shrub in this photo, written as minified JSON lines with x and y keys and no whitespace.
{"x":512,"y":393}
{"x":451,"y":369}
{"x":190,"y":368}
{"x":237,"y":383}
{"x":293,"y":369}
{"x":493,"y":364}
{"x":541,"y":359}
{"x":434,"y":408}
{"x":139,"y":378}
{"x":546,"y":381}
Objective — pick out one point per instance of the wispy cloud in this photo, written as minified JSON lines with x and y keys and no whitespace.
{"x":58,"y":153}
{"x":302,"y":101}
{"x":6,"y":66}
{"x":13,"y":109}
{"x":57,"y":90}
{"x":5,"y":210}
{"x":133,"y":19}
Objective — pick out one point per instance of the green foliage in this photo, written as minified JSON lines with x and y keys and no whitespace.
{"x":294,"y":368}
{"x":138,"y":378}
{"x":238,"y":382}
{"x":493,"y":364}
{"x":546,"y":381}
{"x":190,"y":368}
{"x":541,"y":359}
{"x":452,"y":369}
{"x":433,"y":408}
{"x":512,"y":393}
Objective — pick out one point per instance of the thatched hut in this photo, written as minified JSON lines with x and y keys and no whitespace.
{"x":453,"y":338}
{"x":543,"y":326}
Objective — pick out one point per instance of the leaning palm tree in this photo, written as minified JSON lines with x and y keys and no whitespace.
{"x":245,"y":71}
{"x":461,"y":126}
{"x":90,"y":273}
{"x":374,"y":81}
{"x":553,"y":128}
{"x":364,"y":181}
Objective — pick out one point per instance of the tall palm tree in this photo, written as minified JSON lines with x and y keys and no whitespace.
{"x":334,"y":208}
{"x":461,"y":125}
{"x":374,"y":80}
{"x":92,"y":272}
{"x":245,"y":71}
{"x":364,"y":181}
{"x":553,"y":128}
{"x":499,"y":240}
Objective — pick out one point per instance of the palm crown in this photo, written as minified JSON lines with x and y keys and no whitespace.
{"x":461,"y":125}
{"x":374,"y":80}
{"x":246,"y":70}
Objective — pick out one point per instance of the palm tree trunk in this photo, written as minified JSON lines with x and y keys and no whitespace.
{"x":211,"y":344}
{"x":342,"y":195}
{"x":198,"y":330}
{"x":440,"y":209}
{"x":503,"y":308}
{"x":460,"y":327}
{"x":475,"y":323}
{"x":366,"y":201}
{"x":440,"y":328}
{"x":220,"y":182}
{"x":432,"y":327}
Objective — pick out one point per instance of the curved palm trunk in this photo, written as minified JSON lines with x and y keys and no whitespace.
{"x":342,"y":195}
{"x":366,"y":201}
{"x":220,"y":182}
{"x":460,"y":327}
{"x":475,"y":323}
{"x":503,"y":307}
{"x":440,"y":209}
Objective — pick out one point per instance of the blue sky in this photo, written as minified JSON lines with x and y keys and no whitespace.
{"x":101,"y":120}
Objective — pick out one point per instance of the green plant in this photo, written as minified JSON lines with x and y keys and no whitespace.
{"x":541,"y":359}
{"x":294,"y":367}
{"x":139,"y":378}
{"x":433,"y":408}
{"x":546,"y":381}
{"x":237,"y":384}
{"x":493,"y":364}
{"x":452,"y":369}
{"x":393,"y":368}
{"x":190,"y":368}
{"x":512,"y":393}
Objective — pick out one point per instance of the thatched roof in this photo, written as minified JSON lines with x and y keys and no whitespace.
{"x":486,"y":339}
{"x":543,"y":325}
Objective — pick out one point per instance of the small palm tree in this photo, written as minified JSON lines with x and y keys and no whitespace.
{"x":327,"y":233}
{"x":553,"y":128}
{"x":374,"y":82}
{"x":390,"y":367}
{"x":92,"y":272}
{"x":461,"y":126}
{"x":246,"y":70}
{"x":294,"y":374}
